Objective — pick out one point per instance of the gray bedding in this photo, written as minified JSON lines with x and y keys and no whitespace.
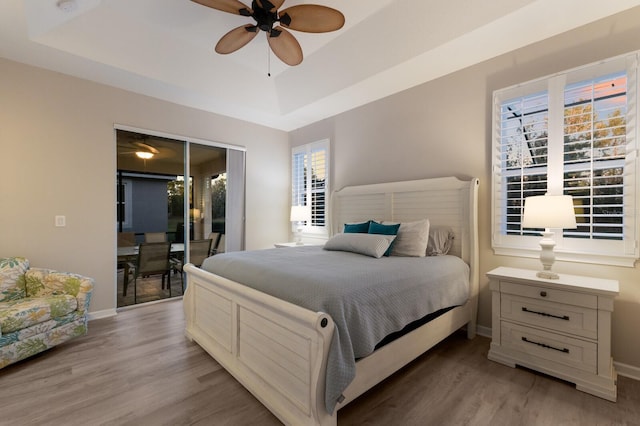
{"x":367,"y":298}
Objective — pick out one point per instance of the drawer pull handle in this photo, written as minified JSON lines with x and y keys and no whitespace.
{"x":543,"y":294}
{"x":564,"y":350}
{"x":544,"y":314}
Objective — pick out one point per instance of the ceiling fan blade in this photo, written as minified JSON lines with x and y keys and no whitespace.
{"x":285,"y":46}
{"x":312,"y":18}
{"x":274,"y":3}
{"x":236,"y":38}
{"x":147,"y":147}
{"x":232,"y":6}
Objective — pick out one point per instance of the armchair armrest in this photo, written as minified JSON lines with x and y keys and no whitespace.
{"x":42,"y":282}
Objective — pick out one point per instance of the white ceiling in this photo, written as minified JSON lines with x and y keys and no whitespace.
{"x":164,"y":49}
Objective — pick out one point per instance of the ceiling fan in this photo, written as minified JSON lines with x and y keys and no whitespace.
{"x":309,"y":18}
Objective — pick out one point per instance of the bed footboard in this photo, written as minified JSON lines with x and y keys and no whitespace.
{"x":277,"y":350}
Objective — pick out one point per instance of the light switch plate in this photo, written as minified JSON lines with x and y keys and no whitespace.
{"x":61,"y":221}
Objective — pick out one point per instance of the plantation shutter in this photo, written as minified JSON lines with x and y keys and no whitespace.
{"x":573,"y":133}
{"x":309,"y":182}
{"x":522,"y":153}
{"x":317,"y":183}
{"x":595,"y":113}
{"x":298,"y":181}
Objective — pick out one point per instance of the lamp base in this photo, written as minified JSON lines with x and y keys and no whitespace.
{"x":547,"y":257}
{"x":548,"y":275}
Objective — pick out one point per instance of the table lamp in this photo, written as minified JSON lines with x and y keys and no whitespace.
{"x":299,"y":214}
{"x":548,"y":211}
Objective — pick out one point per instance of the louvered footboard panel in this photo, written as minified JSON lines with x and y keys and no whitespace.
{"x":277,"y":355}
{"x":213,"y":316}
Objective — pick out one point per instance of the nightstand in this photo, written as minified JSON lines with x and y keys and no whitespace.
{"x":559,"y":327}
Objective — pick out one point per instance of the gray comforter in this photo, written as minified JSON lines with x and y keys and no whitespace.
{"x":367,"y":298}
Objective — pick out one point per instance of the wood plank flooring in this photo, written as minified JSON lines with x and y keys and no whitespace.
{"x":139,"y":369}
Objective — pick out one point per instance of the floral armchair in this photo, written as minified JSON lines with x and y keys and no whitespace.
{"x":39,"y":308}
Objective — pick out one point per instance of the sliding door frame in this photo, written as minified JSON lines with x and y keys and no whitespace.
{"x":187,"y":172}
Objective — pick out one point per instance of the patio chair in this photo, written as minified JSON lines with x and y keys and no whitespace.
{"x":214,"y":237}
{"x":220,"y":247}
{"x":155,"y":237}
{"x":126,"y":239}
{"x":198,"y":252}
{"x":153,"y":259}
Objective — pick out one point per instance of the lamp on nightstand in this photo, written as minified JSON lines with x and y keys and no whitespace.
{"x":548,"y":211}
{"x":299,"y":214}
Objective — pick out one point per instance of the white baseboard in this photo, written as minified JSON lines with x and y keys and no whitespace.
{"x":483,"y":331}
{"x":624,"y":370}
{"x":627,"y":370}
{"x":106,"y":313}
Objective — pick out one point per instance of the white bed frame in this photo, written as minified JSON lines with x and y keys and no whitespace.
{"x":278,"y":350}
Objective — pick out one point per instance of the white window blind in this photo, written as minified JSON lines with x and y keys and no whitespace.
{"x":310,"y":182}
{"x":573,"y":133}
{"x":595,"y":142}
{"x":523,"y":155}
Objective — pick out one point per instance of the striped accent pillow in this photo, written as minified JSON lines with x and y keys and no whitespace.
{"x":374,"y":245}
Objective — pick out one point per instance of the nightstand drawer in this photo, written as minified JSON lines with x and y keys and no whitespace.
{"x":550,"y":294}
{"x":561,"y":317}
{"x":537,"y":344}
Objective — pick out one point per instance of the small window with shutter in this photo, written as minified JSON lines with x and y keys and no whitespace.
{"x":310,"y":183}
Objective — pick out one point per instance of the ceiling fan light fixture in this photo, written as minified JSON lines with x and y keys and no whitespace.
{"x":145,"y":155}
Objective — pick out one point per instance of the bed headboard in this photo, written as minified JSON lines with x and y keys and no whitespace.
{"x":444,"y":201}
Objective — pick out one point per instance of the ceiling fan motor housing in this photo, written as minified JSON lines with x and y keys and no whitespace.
{"x":265,"y":15}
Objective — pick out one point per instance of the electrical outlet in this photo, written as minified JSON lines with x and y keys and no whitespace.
{"x":61,"y":221}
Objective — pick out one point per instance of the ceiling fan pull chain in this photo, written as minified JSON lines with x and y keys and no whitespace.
{"x":268,"y":61}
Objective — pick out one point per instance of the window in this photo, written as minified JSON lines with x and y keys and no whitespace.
{"x":310,"y":183}
{"x":573,"y":133}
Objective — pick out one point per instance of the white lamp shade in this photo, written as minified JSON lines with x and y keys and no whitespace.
{"x":300,"y":213}
{"x":549,"y":211}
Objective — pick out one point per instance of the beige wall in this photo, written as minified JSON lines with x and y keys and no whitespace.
{"x":58,"y":157}
{"x":443,"y":128}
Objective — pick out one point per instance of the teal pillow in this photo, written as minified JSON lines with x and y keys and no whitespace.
{"x":378,"y":228}
{"x":357,"y":228}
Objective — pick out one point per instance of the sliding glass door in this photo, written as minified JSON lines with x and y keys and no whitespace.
{"x":187,"y":194}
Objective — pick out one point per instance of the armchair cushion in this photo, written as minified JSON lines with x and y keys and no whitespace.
{"x":19,"y":314}
{"x":12,"y":284}
{"x":42,"y":282}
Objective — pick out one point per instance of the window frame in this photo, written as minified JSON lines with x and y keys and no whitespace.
{"x":600,"y":251}
{"x":307,"y":149}
{"x":124,"y":203}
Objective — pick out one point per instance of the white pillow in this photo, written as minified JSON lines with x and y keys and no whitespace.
{"x":373,"y":245}
{"x":440,"y":240}
{"x":412,"y":239}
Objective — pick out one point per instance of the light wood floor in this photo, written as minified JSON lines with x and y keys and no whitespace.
{"x":139,"y":369}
